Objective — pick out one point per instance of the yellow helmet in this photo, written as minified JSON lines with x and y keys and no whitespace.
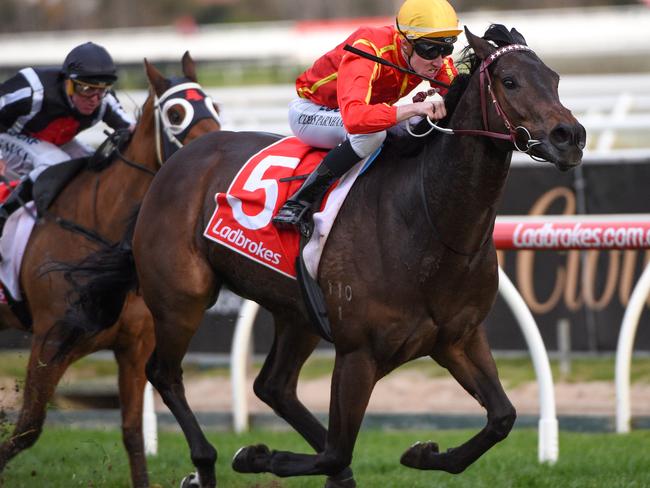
{"x":427,"y":18}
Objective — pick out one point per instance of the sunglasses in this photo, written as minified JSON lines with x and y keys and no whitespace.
{"x":429,"y":49}
{"x":88,"y":90}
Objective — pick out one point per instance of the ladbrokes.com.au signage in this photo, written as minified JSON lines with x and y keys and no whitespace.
{"x":590,"y":288}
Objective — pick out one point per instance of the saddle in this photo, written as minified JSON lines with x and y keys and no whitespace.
{"x":55,"y":178}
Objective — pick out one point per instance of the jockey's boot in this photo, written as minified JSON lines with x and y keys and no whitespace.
{"x":298,"y":207}
{"x":19,"y":196}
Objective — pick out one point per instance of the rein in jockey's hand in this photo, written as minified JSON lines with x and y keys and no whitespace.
{"x":433,"y":108}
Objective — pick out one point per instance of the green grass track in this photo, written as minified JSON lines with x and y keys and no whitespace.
{"x":86,"y":458}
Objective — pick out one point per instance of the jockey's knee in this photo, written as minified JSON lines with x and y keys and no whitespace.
{"x":366,"y":144}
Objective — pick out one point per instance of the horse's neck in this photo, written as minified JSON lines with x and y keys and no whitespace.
{"x":116,"y":191}
{"x":464,"y":178}
{"x":131,"y":183}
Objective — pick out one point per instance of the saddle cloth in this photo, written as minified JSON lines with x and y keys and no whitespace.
{"x":12,"y":247}
{"x":242,"y":218}
{"x":6,"y":189}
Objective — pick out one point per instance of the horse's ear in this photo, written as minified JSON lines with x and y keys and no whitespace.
{"x":481,"y":47}
{"x":159,"y":83}
{"x":518,"y":38}
{"x":189,"y":69}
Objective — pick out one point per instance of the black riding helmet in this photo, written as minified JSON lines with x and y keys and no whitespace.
{"x":90,"y":63}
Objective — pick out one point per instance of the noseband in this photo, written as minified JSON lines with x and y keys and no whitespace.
{"x":484,"y":78}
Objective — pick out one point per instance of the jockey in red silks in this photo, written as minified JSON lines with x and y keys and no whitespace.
{"x":43,"y":109}
{"x":346,"y":101}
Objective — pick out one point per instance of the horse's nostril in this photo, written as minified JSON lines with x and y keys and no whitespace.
{"x":561,"y":135}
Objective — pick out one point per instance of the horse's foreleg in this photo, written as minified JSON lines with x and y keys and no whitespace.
{"x":277,"y":381}
{"x":40,"y":383}
{"x":173,"y":334}
{"x":352,"y":384}
{"x":471,"y":363}
{"x":132,"y":379}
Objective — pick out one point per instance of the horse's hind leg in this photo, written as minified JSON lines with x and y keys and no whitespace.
{"x":352,"y":383}
{"x":131,"y":358}
{"x":277,"y":380}
{"x":175,"y":325}
{"x":471,"y":363}
{"x":39,"y":387}
{"x":276,"y":386}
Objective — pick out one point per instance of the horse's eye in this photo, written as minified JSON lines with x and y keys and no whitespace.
{"x":509,"y":83}
{"x":175,"y":117}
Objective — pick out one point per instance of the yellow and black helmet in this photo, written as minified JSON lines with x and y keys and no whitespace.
{"x":427,"y":18}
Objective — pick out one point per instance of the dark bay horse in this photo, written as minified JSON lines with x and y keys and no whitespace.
{"x":412,"y":247}
{"x":101,"y":202}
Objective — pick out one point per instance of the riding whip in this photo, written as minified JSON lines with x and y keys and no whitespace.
{"x":379,"y":60}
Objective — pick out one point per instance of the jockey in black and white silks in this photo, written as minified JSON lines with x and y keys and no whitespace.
{"x":43,"y":109}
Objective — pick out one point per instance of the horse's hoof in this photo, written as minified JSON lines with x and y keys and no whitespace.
{"x":251,"y":459}
{"x":419,"y":455}
{"x":345,"y":479}
{"x":191,"y":481}
{"x":426,"y":455}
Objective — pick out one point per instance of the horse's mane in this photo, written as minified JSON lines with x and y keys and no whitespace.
{"x":98,"y":164}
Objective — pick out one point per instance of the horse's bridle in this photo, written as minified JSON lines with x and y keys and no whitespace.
{"x":484,"y":75}
{"x":175,"y":134}
{"x":197,"y":106}
{"x":484,"y":78}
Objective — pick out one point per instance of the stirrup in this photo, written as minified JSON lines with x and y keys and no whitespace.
{"x":291,"y":214}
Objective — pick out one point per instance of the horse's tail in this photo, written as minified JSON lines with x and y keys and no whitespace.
{"x":99,"y":286}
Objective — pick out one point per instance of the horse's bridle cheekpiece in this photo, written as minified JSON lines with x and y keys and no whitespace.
{"x":484,"y":75}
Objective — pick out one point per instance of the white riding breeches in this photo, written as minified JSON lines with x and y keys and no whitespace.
{"x":320,"y":126}
{"x":28,"y":155}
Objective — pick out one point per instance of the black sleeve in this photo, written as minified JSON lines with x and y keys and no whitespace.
{"x":15,"y":100}
{"x":115,"y":116}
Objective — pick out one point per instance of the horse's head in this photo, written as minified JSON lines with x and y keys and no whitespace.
{"x":525,"y":91}
{"x":183,"y":111}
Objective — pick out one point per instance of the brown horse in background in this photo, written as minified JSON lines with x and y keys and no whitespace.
{"x":101,"y":202}
{"x":412,"y":248}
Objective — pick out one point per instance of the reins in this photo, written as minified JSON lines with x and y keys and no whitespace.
{"x":133,"y":164}
{"x":485,"y":79}
{"x":484,"y":76}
